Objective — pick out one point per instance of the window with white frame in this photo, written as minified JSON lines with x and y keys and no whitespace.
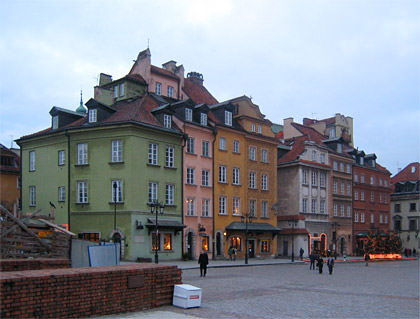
{"x":228,"y":118}
{"x":362,"y":217}
{"x":304,"y":205}
{"x":116,"y":151}
{"x":314,"y":178}
{"x":82,"y":192}
{"x":170,"y":194}
{"x":264,"y":182}
{"x":61,"y":157}
{"x":236,"y":201}
{"x":335,"y":165}
{"x":372,"y":180}
{"x":55,"y":122}
{"x":190,"y":207}
{"x":335,"y":211}
{"x":386,"y":183}
{"x":322,"y":158}
{"x":304,"y":176}
{"x":170,"y":156}
{"x":222,"y":144}
{"x":252,"y":153}
{"x":32,"y":196}
{"x":372,"y":218}
{"x":264,"y":156}
{"x":386,"y":219}
{"x":342,"y":212}
{"x":167,"y":120}
{"x":61,"y":194}
{"x":203,"y":119}
{"x":342,"y":188}
{"x":348,"y":211}
{"x":340,"y":148}
{"x":380,"y":198}
{"x":170,"y":91}
{"x":322,"y":179}
{"x":116,"y":191}
{"x":205,"y":177}
{"x":115,"y":91}
{"x":381,"y":182}
{"x":348,"y":189}
{"x":313,"y":206}
{"x":252,"y":180}
{"x":190,"y":176}
{"x":153,"y":192}
{"x":381,"y":219}
{"x":153,"y":154}
{"x":222,"y":174}
{"x":205,"y":207}
{"x":82,"y":154}
{"x":259,"y":129}
{"x":356,"y":217}
{"x":236,"y":148}
{"x":190,"y":145}
{"x":362,"y":196}
{"x":356,"y":178}
{"x":356,"y":195}
{"x":205,"y":147}
{"x":122,"y":89}
{"x":222,"y":205}
{"x":348,"y":168}
{"x":362,"y":179}
{"x":93,"y":115}
{"x":188,"y":114}
{"x":314,"y":156}
{"x":158,"y":89}
{"x":252,"y":127}
{"x":341,"y":167}
{"x":32,"y":161}
{"x":253,"y":207}
{"x":236,"y":176}
{"x":322,"y":206}
{"x":335,"y":186}
{"x":264,"y":209}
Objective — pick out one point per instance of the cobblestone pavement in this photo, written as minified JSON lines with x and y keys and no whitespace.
{"x":382,"y":290}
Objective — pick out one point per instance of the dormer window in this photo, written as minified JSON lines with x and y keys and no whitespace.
{"x":93,"y":115}
{"x":188,"y":115}
{"x":362,"y":161}
{"x":116,"y":91}
{"x":259,"y":129}
{"x":55,"y":122}
{"x":122,"y":89}
{"x":332,"y":132}
{"x":339,"y":148}
{"x":228,"y":118}
{"x":170,"y":91}
{"x":167,"y":121}
{"x":252,"y":127}
{"x":203,"y":119}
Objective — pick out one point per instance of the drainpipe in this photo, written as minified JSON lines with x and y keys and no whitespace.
{"x":68,"y":178}
{"x":184,"y":138}
{"x":213,"y":205}
{"x":21,"y":179}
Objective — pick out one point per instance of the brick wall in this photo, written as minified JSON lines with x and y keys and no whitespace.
{"x":84,"y":292}
{"x":33,"y":264}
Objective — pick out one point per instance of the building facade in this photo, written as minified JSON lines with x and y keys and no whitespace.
{"x":9,"y":178}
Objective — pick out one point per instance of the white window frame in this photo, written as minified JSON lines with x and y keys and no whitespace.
{"x":205,"y":177}
{"x":153,"y":154}
{"x":118,"y":190}
{"x":54,"y":124}
{"x":348,"y":168}
{"x":348,"y":211}
{"x":190,"y":176}
{"x":322,"y":158}
{"x":264,"y":182}
{"x":341,"y":167}
{"x":322,"y":179}
{"x":342,"y":188}
{"x":362,"y":217}
{"x":82,"y":192}
{"x":167,"y":120}
{"x":252,"y":127}
{"x":122,"y":89}
{"x":222,"y":174}
{"x":93,"y":115}
{"x":190,"y":206}
{"x":314,"y":156}
{"x":32,"y":195}
{"x":314,"y":178}
{"x":304,"y":176}
{"x":228,"y":118}
{"x":222,"y":144}
{"x":356,"y":195}
{"x":335,"y":210}
{"x":205,"y":207}
{"x":170,"y":157}
{"x":304,"y":205}
{"x":188,"y":114}
{"x":170,"y":91}
{"x":236,"y":206}
{"x":32,"y":161}
{"x":252,"y":153}
{"x":372,"y":218}
{"x":253,"y":207}
{"x":322,"y":206}
{"x":61,"y":157}
{"x":342,"y":210}
{"x":203,"y":119}
{"x":205,"y":148}
{"x":236,"y":147}
{"x":356,"y":217}
{"x":253,"y":180}
{"x":170,"y":194}
{"x":158,"y":88}
{"x":82,"y":154}
{"x":115,"y":91}
{"x":190,"y":145}
{"x":116,"y":151}
{"x":362,"y":196}
{"x":335,"y":165}
{"x":153,"y":191}
{"x":259,"y":129}
{"x":264,"y":156}
{"x":264,"y":209}
{"x":222,"y":205}
{"x":236,"y":176}
{"x":61,"y":193}
{"x":313,"y":205}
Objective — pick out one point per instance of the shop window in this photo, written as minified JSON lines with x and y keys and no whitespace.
{"x":167,"y":241}
{"x":265,"y":246}
{"x":235,"y":242}
{"x":205,"y":243}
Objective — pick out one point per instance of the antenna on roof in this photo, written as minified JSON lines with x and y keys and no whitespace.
{"x":148,"y":42}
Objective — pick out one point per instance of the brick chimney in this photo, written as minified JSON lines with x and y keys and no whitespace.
{"x":196,"y":77}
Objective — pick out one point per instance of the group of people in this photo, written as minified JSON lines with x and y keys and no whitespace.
{"x":316,"y":259}
{"x":232,"y":253}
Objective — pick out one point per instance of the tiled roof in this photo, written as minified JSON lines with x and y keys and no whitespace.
{"x":198,"y":93}
{"x":136,"y":77}
{"x":410,"y":173}
{"x":313,"y":134}
{"x":163,"y":72}
{"x":297,"y":148}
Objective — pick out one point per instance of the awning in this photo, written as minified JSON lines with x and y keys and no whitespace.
{"x":165,"y":224}
{"x":258,"y":227}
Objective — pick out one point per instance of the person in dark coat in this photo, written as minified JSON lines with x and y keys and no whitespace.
{"x":312,"y":259}
{"x":301,"y":251}
{"x":320,"y":264}
{"x":203,"y":260}
{"x":330,"y":264}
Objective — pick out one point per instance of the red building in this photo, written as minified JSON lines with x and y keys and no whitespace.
{"x":371,"y":199}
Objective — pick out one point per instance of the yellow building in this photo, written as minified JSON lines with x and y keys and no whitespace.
{"x":244,"y":180}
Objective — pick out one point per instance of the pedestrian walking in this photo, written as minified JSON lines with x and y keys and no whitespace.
{"x":301,"y":251}
{"x":320,"y":264}
{"x":230,"y":253}
{"x":367,"y":259}
{"x":312,"y":259}
{"x":330,"y":264}
{"x":234,"y":253}
{"x":203,"y":260}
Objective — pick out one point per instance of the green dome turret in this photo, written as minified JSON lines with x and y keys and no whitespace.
{"x":81,"y":108}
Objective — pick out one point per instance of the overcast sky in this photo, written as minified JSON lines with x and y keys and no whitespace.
{"x":294,"y":58}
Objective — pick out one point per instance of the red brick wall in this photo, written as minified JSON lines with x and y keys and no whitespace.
{"x":33,"y":264}
{"x":83,"y":292}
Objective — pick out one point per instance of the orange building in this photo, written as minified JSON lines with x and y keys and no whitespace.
{"x":9,"y":177}
{"x":245,"y":180}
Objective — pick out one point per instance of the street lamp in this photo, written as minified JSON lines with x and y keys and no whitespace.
{"x":335,"y":225}
{"x":115,"y":186}
{"x":155,"y":208}
{"x":293,"y":222}
{"x":247,"y":219}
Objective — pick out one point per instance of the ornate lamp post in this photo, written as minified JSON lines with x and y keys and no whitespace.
{"x":115,"y":186}
{"x":155,"y":208}
{"x":247,"y":219}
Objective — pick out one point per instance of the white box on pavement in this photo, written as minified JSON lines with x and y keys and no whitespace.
{"x":186,"y":296}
